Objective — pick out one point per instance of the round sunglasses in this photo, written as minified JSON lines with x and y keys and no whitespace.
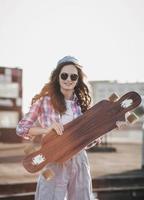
{"x":73,"y":77}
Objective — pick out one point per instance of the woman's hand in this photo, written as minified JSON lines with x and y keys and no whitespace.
{"x":58,"y":127}
{"x":95,"y":142}
{"x":98,"y":140}
{"x":121,"y":124}
{"x":39,"y":131}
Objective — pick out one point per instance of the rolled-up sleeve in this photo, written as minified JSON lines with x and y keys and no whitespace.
{"x":28,"y":120}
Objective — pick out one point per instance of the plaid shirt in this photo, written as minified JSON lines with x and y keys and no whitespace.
{"x":43,"y":113}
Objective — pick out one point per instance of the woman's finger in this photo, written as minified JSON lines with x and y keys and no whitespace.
{"x":58,"y":128}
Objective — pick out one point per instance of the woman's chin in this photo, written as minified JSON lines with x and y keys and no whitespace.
{"x":67,"y":88}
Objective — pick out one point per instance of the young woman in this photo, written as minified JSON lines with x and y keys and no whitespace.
{"x":61,"y":100}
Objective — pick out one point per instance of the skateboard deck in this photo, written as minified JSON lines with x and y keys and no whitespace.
{"x":95,"y":122}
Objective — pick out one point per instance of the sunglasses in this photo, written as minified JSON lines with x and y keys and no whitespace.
{"x":73,"y":77}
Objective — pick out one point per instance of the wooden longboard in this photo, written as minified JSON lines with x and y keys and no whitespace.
{"x":97,"y":121}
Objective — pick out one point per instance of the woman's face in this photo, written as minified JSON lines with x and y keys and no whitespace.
{"x":68,"y":77}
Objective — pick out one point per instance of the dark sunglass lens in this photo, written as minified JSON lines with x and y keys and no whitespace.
{"x":64,"y":76}
{"x":74,"y":77}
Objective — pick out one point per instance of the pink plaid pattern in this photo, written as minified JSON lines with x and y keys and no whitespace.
{"x":43,"y":113}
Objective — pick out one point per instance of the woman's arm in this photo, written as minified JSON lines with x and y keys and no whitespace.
{"x":27,"y":122}
{"x":35,"y":131}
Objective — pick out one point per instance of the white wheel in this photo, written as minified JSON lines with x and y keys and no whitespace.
{"x":114,"y":97}
{"x":48,"y":174}
{"x":132,"y":118}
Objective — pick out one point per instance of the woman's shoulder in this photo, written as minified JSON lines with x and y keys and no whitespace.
{"x":46,"y":99}
{"x":42,"y":99}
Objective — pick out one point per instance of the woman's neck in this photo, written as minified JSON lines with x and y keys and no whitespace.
{"x":68,"y":95}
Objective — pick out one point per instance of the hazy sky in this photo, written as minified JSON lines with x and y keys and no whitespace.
{"x":107,"y":36}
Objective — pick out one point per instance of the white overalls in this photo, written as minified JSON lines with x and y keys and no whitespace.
{"x":72,"y":180}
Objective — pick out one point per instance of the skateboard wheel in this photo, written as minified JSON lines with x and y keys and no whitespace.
{"x":132,"y":118}
{"x":114,"y":97}
{"x":48,"y":174}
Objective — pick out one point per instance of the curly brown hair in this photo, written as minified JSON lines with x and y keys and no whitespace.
{"x":52,"y":89}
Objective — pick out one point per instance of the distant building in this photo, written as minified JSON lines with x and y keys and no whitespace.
{"x":10,"y":102}
{"x":104,"y":89}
